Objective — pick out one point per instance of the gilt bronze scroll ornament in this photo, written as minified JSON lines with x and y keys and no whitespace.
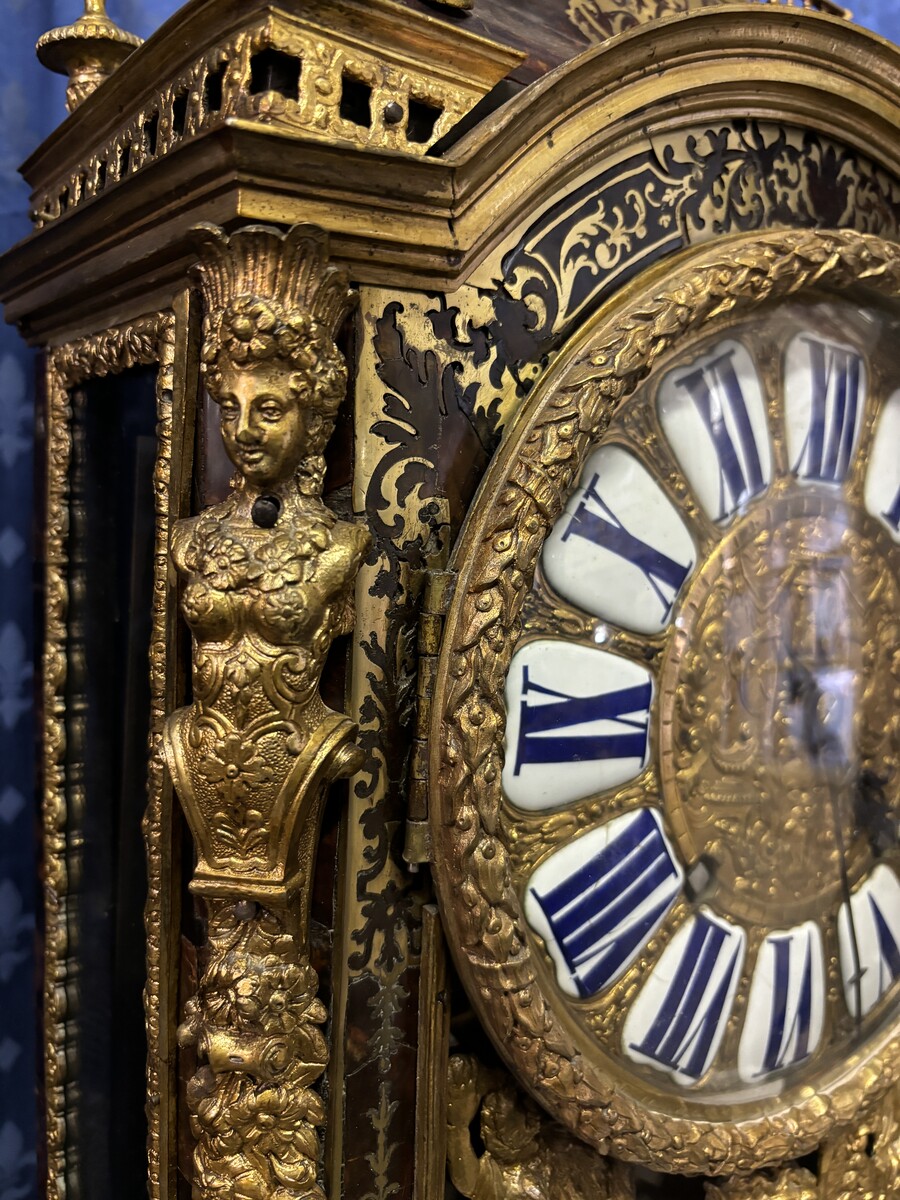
{"x":522,"y":1152}
{"x":268,"y":581}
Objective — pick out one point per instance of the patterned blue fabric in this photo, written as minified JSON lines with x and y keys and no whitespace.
{"x":31,"y":105}
{"x":22,"y":123}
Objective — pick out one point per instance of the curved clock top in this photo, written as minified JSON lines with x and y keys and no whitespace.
{"x":665,"y":751}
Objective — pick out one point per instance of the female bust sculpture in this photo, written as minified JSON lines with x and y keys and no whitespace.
{"x":269,"y":572}
{"x":268,"y":583}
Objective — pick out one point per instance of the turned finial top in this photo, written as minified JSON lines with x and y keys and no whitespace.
{"x":88,"y":51}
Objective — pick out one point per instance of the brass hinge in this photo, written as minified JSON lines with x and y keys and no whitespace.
{"x":437,"y":594}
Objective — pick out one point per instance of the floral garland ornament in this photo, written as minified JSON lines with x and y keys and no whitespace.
{"x":268,"y":578}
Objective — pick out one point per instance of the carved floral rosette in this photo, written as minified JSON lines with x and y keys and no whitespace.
{"x":523,"y":494}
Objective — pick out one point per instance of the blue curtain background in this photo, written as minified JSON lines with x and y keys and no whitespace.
{"x":31,"y":105}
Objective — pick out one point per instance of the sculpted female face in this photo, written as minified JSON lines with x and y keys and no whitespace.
{"x":264,"y":428}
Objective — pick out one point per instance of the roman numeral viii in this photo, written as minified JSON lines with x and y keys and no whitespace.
{"x":602,"y":912}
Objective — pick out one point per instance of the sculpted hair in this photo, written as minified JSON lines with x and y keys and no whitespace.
{"x":252,"y":330}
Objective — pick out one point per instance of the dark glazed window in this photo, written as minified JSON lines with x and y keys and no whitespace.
{"x":108,"y":720}
{"x":422,"y":119}
{"x":179,"y":114}
{"x":213,"y":89}
{"x":356,"y":101}
{"x":151,"y":134}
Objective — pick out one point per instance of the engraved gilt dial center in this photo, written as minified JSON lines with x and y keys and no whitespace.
{"x":772,"y":735}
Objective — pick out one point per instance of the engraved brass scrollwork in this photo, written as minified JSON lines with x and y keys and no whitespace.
{"x":862,"y":1162}
{"x":785,"y":1183}
{"x":859,"y":1162}
{"x":268,"y":577}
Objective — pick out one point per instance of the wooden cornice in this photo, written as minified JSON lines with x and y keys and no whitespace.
{"x":425,"y":223}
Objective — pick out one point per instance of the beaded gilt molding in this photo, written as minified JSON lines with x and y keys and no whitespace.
{"x":147,"y":341}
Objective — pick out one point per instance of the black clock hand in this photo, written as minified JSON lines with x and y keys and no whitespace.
{"x":873,"y":811}
{"x":825,"y":750}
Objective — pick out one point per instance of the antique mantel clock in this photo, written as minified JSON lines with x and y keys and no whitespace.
{"x":470,"y":466}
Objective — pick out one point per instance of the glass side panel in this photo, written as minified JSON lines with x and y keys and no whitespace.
{"x":108,"y":717}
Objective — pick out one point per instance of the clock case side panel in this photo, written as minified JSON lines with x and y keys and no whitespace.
{"x":479,"y":350}
{"x":462,"y":217}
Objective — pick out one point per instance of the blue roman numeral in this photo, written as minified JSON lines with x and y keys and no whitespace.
{"x":835,"y":403}
{"x":605,"y":530}
{"x":791,"y":1021}
{"x":888,"y":950}
{"x":683,"y":1035}
{"x":603,"y":913}
{"x":892,"y":516}
{"x":540,"y":725}
{"x":716,"y":392}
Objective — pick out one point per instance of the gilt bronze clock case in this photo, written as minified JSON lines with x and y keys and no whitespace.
{"x":517,"y":236}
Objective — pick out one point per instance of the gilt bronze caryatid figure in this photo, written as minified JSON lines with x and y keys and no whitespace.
{"x":268,"y":584}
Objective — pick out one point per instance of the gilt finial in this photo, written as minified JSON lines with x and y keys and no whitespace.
{"x":88,"y":51}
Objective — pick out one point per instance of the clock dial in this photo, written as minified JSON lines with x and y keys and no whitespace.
{"x":667,"y":744}
{"x":769,"y":608}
